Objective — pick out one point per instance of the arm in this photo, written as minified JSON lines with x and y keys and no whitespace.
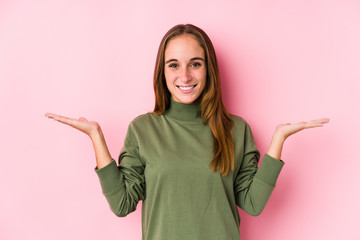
{"x":253,"y":186}
{"x":122,"y":186}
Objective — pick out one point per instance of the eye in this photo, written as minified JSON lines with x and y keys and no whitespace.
{"x":173,"y":65}
{"x":196,"y":64}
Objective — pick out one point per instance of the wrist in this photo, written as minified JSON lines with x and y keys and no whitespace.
{"x":278,"y":138}
{"x":96,"y":134}
{"x":276,"y":145}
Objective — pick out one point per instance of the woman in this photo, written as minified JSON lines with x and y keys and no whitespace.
{"x":190,"y":161}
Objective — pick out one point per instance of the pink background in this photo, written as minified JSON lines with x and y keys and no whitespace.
{"x":281,"y":61}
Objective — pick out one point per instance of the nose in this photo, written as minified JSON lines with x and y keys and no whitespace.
{"x":185,"y":75}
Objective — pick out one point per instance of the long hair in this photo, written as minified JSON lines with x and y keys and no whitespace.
{"x":213,"y":111}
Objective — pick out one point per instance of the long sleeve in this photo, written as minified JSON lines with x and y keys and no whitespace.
{"x":124,"y":185}
{"x":253,"y":186}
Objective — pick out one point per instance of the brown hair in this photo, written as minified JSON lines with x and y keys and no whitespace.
{"x":213,"y":111}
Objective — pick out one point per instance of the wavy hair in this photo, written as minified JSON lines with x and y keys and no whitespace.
{"x":213,"y":111}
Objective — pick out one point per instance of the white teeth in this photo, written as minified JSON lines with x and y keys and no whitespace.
{"x":186,"y":88}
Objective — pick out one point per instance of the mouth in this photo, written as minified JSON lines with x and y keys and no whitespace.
{"x":186,"y":88}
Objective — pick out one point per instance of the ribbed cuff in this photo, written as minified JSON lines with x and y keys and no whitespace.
{"x":109,"y":177}
{"x":269,"y":170}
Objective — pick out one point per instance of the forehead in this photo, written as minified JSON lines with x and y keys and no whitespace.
{"x":184,"y":46}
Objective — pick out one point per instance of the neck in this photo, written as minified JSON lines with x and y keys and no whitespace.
{"x":184,"y":112}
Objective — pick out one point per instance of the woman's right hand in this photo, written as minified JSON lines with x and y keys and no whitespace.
{"x":82,"y":124}
{"x":93,"y":130}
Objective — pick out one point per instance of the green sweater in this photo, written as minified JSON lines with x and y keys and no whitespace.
{"x":165,"y":161}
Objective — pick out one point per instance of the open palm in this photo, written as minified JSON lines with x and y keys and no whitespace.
{"x":81,"y":124}
{"x":290,"y":128}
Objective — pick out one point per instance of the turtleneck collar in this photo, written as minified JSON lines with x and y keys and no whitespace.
{"x":184,"y":112}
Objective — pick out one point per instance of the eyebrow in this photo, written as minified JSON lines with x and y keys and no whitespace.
{"x":175,"y":60}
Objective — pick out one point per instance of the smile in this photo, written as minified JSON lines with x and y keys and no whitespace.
{"x":186,"y":88}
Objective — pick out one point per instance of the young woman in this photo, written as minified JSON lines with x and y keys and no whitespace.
{"x":190,"y":161}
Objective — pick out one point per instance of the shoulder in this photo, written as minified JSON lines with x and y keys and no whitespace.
{"x":141,"y":118}
{"x":241,"y":126}
{"x":239,"y":121}
{"x":242,"y":133}
{"x":144,"y":120}
{"x":141,"y":124}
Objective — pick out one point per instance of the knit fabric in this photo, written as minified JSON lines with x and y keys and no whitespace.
{"x":165,"y":161}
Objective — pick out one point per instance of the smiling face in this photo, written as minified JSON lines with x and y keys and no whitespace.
{"x":185,"y":68}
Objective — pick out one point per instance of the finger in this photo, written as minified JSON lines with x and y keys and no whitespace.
{"x":316,"y":123}
{"x":50,"y":115}
{"x":320,"y":120}
{"x":313,"y":125}
{"x":68,"y":121}
{"x":62,"y":119}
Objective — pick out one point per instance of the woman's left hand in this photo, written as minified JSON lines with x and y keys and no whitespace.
{"x":283,"y":131}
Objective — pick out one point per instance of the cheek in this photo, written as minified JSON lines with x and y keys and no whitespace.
{"x":168,"y":80}
{"x":203,"y":80}
{"x":202,"y":76}
{"x":168,"y":75}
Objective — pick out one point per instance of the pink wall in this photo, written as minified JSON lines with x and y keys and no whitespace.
{"x":281,"y":61}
